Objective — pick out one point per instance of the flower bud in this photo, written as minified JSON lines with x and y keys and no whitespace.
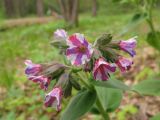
{"x":64,"y":82}
{"x":123,"y":64}
{"x":59,"y":41}
{"x":128,"y":46}
{"x":41,"y":80}
{"x":74,"y":82}
{"x":53,"y":70}
{"x":60,"y":34}
{"x":53,"y":99}
{"x":103,"y":40}
{"x":32,"y":69}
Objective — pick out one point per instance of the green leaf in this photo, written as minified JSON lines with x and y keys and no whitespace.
{"x":156,"y":117}
{"x":111,"y":83}
{"x":148,"y":87}
{"x":138,"y":17}
{"x":110,"y":98}
{"x":153,"y":39}
{"x":79,"y":105}
{"x":135,"y":20}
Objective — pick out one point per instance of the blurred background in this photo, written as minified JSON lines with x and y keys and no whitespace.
{"x":26,"y":30}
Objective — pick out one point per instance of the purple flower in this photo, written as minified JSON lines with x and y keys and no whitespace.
{"x":128,"y":46}
{"x":53,"y":99}
{"x":32,"y":69}
{"x":123,"y":64}
{"x":102,"y":69}
{"x":60,"y":34}
{"x":79,"y":51}
{"x":41,"y":80}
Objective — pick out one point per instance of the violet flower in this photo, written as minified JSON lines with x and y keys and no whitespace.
{"x":60,"y":34}
{"x":79,"y":51}
{"x":102,"y":69}
{"x":32,"y":69}
{"x":123,"y":64}
{"x":128,"y":46}
{"x":53,"y":99}
{"x":41,"y":80}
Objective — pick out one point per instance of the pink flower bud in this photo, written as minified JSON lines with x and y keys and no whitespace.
{"x":32,"y":69}
{"x":60,"y":34}
{"x":102,"y":69}
{"x":53,"y":99}
{"x":41,"y":80}
{"x":128,"y":46}
{"x":123,"y":64}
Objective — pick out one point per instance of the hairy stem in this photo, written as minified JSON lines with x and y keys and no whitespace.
{"x":101,"y":109}
{"x":98,"y":102}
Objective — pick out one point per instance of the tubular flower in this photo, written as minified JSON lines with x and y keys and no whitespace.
{"x":79,"y":51}
{"x":42,"y":80}
{"x":128,"y":46}
{"x":60,"y":34}
{"x":53,"y":99}
{"x":123,"y":64}
{"x":102,"y":69}
{"x":32,"y":69}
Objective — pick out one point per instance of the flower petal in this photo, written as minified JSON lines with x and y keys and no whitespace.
{"x":128,"y":46}
{"x":72,"y":50}
{"x":102,"y":69}
{"x":53,"y":99}
{"x":73,"y":41}
{"x":124,"y":64}
{"x":32,"y":69}
{"x":60,"y":34}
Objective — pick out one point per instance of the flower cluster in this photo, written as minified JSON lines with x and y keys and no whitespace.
{"x":100,"y":59}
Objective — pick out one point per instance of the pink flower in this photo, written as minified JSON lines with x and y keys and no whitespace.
{"x":128,"y":46}
{"x":123,"y":64}
{"x":32,"y":69}
{"x":79,"y":51}
{"x":102,"y":69}
{"x":53,"y":99}
{"x":41,"y":80}
{"x":60,"y":34}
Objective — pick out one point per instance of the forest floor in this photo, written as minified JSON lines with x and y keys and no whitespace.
{"x":20,"y":100}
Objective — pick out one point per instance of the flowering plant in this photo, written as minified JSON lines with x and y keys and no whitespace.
{"x":87,"y":69}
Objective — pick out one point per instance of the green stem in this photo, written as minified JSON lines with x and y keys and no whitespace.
{"x":149,"y":7}
{"x":84,"y":82}
{"x":98,"y":102}
{"x":150,"y":23}
{"x":101,"y":109}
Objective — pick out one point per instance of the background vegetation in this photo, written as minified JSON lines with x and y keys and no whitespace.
{"x":26,"y":29}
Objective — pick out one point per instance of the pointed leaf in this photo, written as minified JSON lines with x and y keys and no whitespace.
{"x":110,"y":98}
{"x":79,"y":105}
{"x":111,"y":83}
{"x":148,"y":87}
{"x":153,"y":39}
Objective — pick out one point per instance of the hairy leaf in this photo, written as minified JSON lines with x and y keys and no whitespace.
{"x":154,"y":39}
{"x":79,"y":105}
{"x":110,"y":98}
{"x":148,"y":87}
{"x":111,"y":83}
